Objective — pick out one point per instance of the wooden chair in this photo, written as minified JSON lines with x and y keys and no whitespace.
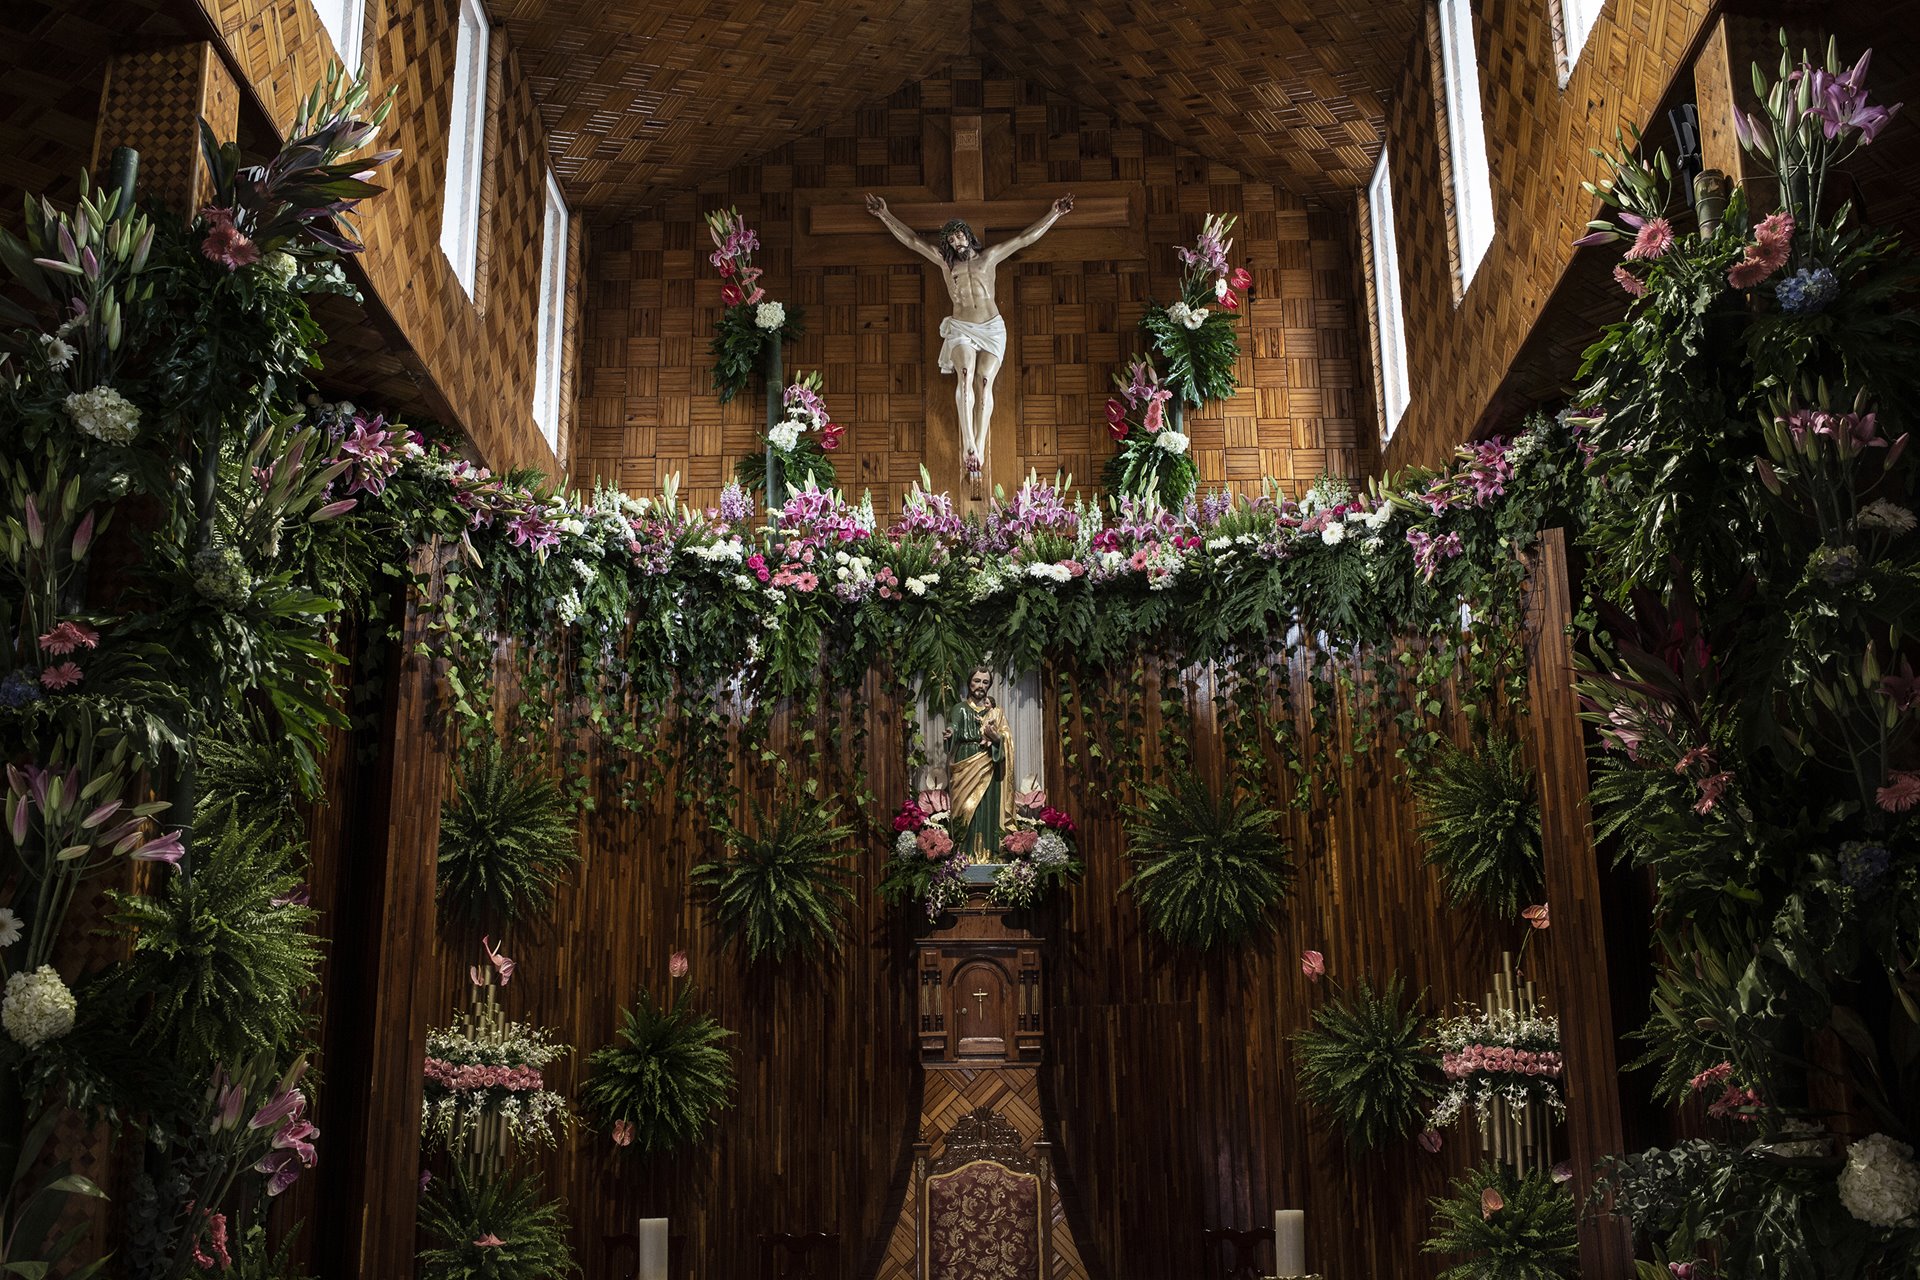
{"x":984,"y":1162}
{"x":801,"y":1255}
{"x":1236,"y":1255}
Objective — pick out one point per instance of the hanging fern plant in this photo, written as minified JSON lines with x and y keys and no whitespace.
{"x":1365,"y":1065}
{"x":1507,"y":1226}
{"x":506,"y":839}
{"x":668,"y":1081}
{"x":781,"y":888}
{"x":1481,"y":823}
{"x":1210,"y":868}
{"x":462,"y":1213}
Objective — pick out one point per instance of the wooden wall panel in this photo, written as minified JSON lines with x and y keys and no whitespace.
{"x":1538,"y":136}
{"x":472,"y":357}
{"x":647,"y":410}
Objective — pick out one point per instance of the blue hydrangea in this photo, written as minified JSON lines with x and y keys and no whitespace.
{"x":1805,"y":292}
{"x":18,"y":689}
{"x":1862,"y":864}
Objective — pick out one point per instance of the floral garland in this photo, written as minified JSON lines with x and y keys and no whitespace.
{"x":1195,"y":333}
{"x":1036,"y":855}
{"x":1511,"y":1056}
{"x":1153,"y":458}
{"x":750,"y":320}
{"x":801,"y":457}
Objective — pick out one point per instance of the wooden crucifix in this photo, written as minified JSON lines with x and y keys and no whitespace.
{"x":961,"y":429}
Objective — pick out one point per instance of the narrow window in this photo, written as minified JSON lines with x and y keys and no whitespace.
{"x":1466,"y":137}
{"x":466,"y":139}
{"x":550,"y":359}
{"x":345,"y":20}
{"x":1389,"y":326}
{"x":1576,"y":24}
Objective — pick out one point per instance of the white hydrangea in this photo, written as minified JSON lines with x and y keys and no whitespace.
{"x":1334,"y":533}
{"x":906,"y":845}
{"x":104,"y":414}
{"x":784,"y":435}
{"x":1050,"y":848}
{"x":769,"y":315}
{"x":279,"y":266}
{"x":1880,"y":1185}
{"x":38,"y":1007}
{"x":1179,"y":312}
{"x":220,"y":574}
{"x":1173,"y":442}
{"x":1881,"y":514}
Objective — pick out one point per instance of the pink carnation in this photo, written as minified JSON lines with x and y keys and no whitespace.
{"x":1020,"y":843}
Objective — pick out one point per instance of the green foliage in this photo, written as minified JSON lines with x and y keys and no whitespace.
{"x":507,"y":837}
{"x":222,"y":958}
{"x":669,"y":1080}
{"x":1196,"y":363}
{"x":243,"y":778}
{"x":1364,"y":1063}
{"x":459,"y":1211}
{"x":1481,"y":825}
{"x":739,"y":347}
{"x":781,"y":888}
{"x":1140,"y":465}
{"x":1209,"y":868}
{"x":795,"y":466}
{"x":1533,"y":1235}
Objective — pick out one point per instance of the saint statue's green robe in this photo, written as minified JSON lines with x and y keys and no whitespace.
{"x":978,"y":789}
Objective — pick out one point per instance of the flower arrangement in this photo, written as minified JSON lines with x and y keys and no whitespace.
{"x":1035,"y":855}
{"x":484,"y":1082}
{"x":1509,"y":1055}
{"x":1195,"y":333}
{"x":1152,"y":458}
{"x":801,"y":441}
{"x":749,"y":321}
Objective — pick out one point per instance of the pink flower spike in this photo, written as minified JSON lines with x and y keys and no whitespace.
{"x":1313,"y":964}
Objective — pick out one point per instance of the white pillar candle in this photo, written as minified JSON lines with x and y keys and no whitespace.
{"x":1290,"y":1242}
{"x":653,"y":1249}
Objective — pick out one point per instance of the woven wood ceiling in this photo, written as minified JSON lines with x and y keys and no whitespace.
{"x":644,"y":97}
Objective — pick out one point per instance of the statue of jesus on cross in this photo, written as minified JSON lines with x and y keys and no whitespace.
{"x":974,"y":338}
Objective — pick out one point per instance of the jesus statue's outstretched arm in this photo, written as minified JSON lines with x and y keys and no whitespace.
{"x":902,"y":232}
{"x":1007,"y":248}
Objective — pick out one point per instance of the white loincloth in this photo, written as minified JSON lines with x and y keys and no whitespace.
{"x":989,"y":336}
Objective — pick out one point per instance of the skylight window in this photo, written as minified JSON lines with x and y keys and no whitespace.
{"x":1467,"y":137}
{"x":550,"y":359}
{"x":345,"y":21}
{"x":1576,"y":24}
{"x":1389,"y":324}
{"x":466,"y":140}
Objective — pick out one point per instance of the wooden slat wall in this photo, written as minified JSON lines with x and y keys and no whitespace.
{"x":1169,"y":1083}
{"x":647,"y":411}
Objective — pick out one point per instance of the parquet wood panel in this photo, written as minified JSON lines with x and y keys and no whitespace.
{"x":646,"y":410}
{"x":1538,"y":136}
{"x":469,"y":359}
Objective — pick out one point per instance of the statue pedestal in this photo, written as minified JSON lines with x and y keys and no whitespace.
{"x":981,"y":1001}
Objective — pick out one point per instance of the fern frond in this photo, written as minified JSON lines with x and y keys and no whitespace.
{"x":1209,"y":869}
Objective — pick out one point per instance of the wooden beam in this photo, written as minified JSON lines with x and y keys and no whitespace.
{"x":1576,"y":945}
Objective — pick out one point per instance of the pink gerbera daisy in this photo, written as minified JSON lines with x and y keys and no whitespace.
{"x":61,"y":676}
{"x":1628,"y":281}
{"x":68,"y":637}
{"x":1901,"y":793}
{"x":1655,"y":238}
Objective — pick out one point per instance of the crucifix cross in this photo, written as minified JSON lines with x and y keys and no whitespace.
{"x":1107,"y":222}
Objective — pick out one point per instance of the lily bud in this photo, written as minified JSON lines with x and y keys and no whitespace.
{"x":83,"y":537}
{"x":36,"y":529}
{"x":1767,"y":475}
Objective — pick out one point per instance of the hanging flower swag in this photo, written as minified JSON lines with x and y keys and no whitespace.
{"x":1195,"y":335}
{"x":1153,"y":457}
{"x":751,"y":320}
{"x":801,"y":441}
{"x":1035,"y":855}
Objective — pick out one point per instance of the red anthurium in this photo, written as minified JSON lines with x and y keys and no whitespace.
{"x":730,"y":294}
{"x":1241,"y":278}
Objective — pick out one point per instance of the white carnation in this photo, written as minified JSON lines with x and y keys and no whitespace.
{"x":770,"y":315}
{"x":1172,"y":441}
{"x":918,"y":586}
{"x":784,"y":435}
{"x":1880,"y":1185}
{"x":1334,"y":534}
{"x":104,"y":414}
{"x":37,"y":1008}
{"x":1220,"y":288}
{"x":1194,"y":318}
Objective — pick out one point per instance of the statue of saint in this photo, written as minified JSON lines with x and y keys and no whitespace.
{"x":980,"y":771}
{"x":974,"y":338}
